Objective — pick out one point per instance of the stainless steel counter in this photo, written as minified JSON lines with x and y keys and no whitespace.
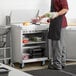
{"x":70,"y":43}
{"x":13,"y":71}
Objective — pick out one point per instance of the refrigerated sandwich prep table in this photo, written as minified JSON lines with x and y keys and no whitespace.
{"x":34,"y":48}
{"x":29,"y":43}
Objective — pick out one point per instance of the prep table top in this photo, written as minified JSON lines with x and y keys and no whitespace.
{"x":32,"y":26}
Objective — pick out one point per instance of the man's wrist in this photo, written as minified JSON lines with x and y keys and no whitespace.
{"x":58,"y":13}
{"x":54,"y":15}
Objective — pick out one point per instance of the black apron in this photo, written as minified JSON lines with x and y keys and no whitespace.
{"x":55,"y":26}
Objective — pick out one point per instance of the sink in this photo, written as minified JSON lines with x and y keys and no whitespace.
{"x":3,"y":71}
{"x":4,"y":29}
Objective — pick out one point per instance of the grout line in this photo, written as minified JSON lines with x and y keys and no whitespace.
{"x":68,"y":73}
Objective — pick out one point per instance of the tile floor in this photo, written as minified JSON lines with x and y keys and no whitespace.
{"x":37,"y":65}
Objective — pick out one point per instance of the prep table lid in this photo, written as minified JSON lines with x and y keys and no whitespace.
{"x":19,"y":16}
{"x":32,"y":27}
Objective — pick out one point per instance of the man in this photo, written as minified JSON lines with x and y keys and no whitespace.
{"x":56,"y":32}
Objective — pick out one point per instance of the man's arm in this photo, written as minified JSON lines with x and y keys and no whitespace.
{"x":53,"y":15}
{"x":63,"y":11}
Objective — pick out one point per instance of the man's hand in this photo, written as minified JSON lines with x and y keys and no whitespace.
{"x":54,"y":15}
{"x":50,"y":15}
{"x":40,"y":18}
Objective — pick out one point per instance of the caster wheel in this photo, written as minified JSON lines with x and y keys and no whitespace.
{"x":42,"y":63}
{"x":21,"y":65}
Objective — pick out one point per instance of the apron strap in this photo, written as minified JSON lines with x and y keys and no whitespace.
{"x":55,"y":25}
{"x":52,"y":6}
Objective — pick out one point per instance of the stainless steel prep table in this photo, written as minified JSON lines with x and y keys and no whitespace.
{"x":18,"y":33}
